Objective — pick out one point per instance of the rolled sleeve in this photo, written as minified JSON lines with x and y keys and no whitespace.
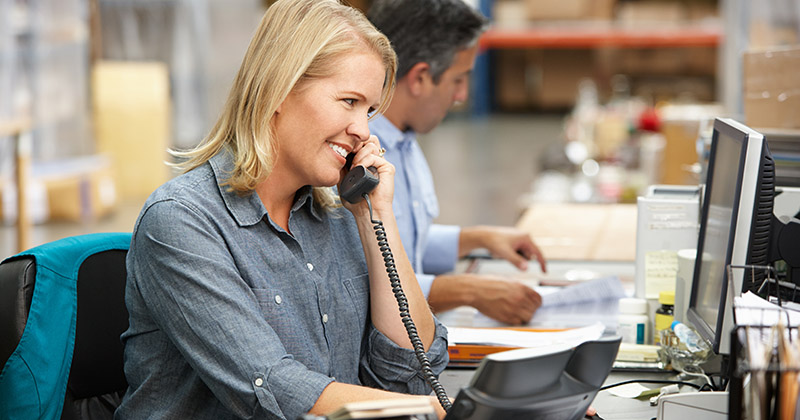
{"x":441,"y":250}
{"x":425,"y":282}
{"x":297,"y":387}
{"x":391,"y":367}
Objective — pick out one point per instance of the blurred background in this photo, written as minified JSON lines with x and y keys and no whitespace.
{"x":573,"y":101}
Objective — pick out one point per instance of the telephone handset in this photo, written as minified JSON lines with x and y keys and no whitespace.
{"x":358,"y":182}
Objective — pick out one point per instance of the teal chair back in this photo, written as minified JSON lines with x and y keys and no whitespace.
{"x":62,"y":310}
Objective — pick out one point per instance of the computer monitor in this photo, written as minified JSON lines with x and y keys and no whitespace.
{"x":557,"y":383}
{"x":735,"y":228}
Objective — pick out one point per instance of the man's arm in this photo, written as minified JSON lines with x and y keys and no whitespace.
{"x":506,"y":301}
{"x":508,"y":243}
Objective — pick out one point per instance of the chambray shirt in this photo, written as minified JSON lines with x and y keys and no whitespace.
{"x":432,"y":248}
{"x":232,"y":316}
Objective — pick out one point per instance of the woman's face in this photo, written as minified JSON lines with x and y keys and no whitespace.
{"x":323,"y":120}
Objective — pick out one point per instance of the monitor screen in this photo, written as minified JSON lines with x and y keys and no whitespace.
{"x":738,"y":193}
{"x":720,"y":194}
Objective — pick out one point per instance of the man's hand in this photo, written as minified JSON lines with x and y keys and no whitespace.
{"x":506,"y":301}
{"x":510,"y":244}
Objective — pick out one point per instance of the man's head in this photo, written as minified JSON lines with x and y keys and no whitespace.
{"x":436,"y":44}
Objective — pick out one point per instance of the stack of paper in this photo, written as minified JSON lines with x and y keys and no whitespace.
{"x":470,"y":345}
{"x":418,"y":408}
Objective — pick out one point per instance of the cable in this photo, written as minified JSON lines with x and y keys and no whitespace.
{"x":702,"y":375}
{"x":650,"y":381}
{"x":402,"y":303}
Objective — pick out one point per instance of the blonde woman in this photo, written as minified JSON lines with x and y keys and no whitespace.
{"x":252,"y":293}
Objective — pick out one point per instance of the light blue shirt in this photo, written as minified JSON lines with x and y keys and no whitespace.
{"x":432,"y":248}
{"x":232,"y":316}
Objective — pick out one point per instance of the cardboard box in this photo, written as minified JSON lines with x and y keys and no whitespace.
{"x":681,"y":89}
{"x":71,"y":190}
{"x":675,"y":61}
{"x":544,"y":79}
{"x":681,"y":126}
{"x":771,"y":83}
{"x":645,"y":13}
{"x":570,"y":9}
{"x":78,"y":189}
{"x":513,"y":85}
{"x":582,"y":232}
{"x":131,"y":103}
{"x":765,"y":33}
{"x":561,"y":73}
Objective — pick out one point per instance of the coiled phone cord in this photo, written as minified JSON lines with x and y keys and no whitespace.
{"x":402,"y":303}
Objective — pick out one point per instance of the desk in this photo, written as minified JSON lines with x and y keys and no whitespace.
{"x":608,"y":406}
{"x":582,"y":232}
{"x":17,"y":130}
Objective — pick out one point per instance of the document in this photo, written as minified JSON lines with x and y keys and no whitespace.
{"x":574,"y":306}
{"x":589,"y":291}
{"x":524,"y":338}
{"x":750,"y":309}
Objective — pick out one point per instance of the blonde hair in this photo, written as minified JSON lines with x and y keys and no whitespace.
{"x":297,"y":40}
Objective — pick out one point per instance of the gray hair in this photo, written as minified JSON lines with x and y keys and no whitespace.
{"x":429,"y":31}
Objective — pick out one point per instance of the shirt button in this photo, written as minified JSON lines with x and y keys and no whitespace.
{"x":310,"y":267}
{"x":278,"y":299}
{"x":416,"y":203}
{"x":259,"y":382}
{"x":325,"y":318}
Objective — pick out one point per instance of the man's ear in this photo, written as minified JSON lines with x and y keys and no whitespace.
{"x":418,"y":78}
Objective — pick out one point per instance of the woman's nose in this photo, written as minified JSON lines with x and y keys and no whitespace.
{"x":359,"y":128}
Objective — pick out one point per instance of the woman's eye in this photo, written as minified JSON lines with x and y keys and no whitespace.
{"x":350,"y":101}
{"x":371,"y":112}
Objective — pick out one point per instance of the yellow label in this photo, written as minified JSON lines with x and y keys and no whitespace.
{"x":662,"y":322}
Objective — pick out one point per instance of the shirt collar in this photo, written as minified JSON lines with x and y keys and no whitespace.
{"x":391,"y":136}
{"x":248,"y":209}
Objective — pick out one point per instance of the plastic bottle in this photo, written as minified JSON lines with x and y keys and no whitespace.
{"x":665,"y":314}
{"x":633,"y":320}
{"x":694,"y":343}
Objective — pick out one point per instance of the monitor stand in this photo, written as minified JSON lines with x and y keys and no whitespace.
{"x":694,"y":405}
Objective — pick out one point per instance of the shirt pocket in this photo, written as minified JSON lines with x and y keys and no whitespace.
{"x":431,"y":205}
{"x":276,"y":309}
{"x":358,"y":289}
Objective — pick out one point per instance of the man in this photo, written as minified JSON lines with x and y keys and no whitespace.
{"x":436,"y":45}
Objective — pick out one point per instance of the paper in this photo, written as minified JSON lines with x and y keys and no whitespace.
{"x":750,"y":309}
{"x":660,"y":269}
{"x":589,"y":291}
{"x":528,"y":339}
{"x":632,"y":390}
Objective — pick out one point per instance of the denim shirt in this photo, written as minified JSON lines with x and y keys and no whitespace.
{"x":432,"y":248}
{"x":232,"y":316}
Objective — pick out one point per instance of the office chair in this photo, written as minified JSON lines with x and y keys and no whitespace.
{"x":62,"y":310}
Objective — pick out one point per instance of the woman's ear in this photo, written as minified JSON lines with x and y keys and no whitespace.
{"x":418,"y":78}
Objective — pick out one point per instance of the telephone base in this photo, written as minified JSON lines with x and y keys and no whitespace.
{"x":693,"y":405}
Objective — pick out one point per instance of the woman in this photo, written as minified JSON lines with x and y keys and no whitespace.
{"x":251,"y":292}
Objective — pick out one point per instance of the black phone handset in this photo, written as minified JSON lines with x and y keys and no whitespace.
{"x":356,"y":185}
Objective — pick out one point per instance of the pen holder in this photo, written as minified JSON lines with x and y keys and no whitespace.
{"x":675,"y":353}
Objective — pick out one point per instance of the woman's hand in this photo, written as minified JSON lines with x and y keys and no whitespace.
{"x":370,"y":154}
